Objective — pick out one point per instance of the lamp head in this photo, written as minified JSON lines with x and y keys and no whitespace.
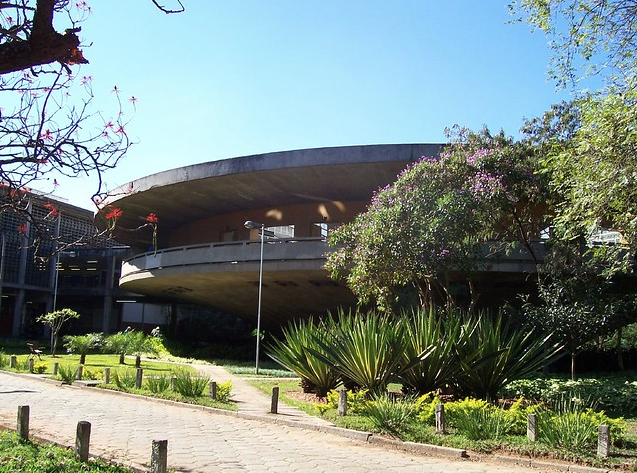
{"x":251,"y":224}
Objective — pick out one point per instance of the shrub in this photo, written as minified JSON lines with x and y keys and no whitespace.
{"x":426,"y":407}
{"x":4,"y":360}
{"x":157,"y":384}
{"x":125,"y":379}
{"x":189,"y":385}
{"x":83,"y":344}
{"x":40,"y":368}
{"x":223,"y":391}
{"x":296,"y":352}
{"x":485,"y":423}
{"x":357,"y":401}
{"x":66,"y":374}
{"x":389,"y":414}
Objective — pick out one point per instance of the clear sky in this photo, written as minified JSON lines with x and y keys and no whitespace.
{"x":238,"y":77}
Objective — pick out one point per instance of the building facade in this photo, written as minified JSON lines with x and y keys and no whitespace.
{"x":34,"y":281}
{"x":203,"y":254}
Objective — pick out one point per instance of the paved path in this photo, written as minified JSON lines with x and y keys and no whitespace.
{"x":123,"y":428}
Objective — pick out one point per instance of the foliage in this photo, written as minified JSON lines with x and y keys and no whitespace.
{"x":131,"y":342}
{"x":430,"y":227}
{"x":390,"y":414}
{"x":296,"y":353}
{"x":224,"y":390}
{"x":27,"y":456}
{"x":67,"y":374}
{"x":83,"y":344}
{"x":434,"y":337}
{"x":496,"y":354}
{"x":357,"y":401}
{"x":594,"y":172}
{"x":587,"y":36}
{"x":569,"y":426}
{"x":189,"y":385}
{"x":488,"y":423}
{"x":366,"y":349}
{"x":426,"y":407}
{"x":614,"y":394}
{"x":55,"y":320}
{"x":39,"y":368}
{"x":124,"y":378}
{"x":157,"y":384}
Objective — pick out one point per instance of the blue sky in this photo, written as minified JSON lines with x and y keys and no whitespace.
{"x":240,"y":77}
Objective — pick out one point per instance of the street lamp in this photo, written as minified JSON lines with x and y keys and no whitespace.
{"x":250,"y":224}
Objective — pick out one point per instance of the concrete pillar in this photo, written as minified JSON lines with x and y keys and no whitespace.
{"x":213,"y":390}
{"x":82,"y":440}
{"x":603,"y":441}
{"x":440,"y":419}
{"x":531,"y":427}
{"x":274,"y":405}
{"x":139,"y":378}
{"x":23,"y":422}
{"x":342,"y":402}
{"x":159,"y":457}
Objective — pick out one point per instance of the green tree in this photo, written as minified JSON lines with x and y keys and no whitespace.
{"x":83,"y":344}
{"x":444,"y":214}
{"x":55,"y":320}
{"x":587,"y":36}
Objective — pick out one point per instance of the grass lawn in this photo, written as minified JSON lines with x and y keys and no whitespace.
{"x":33,"y":457}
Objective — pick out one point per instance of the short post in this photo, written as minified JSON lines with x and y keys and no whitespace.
{"x":159,"y":456}
{"x":107,"y":375}
{"x":13,"y":361}
{"x":31,"y":365}
{"x":172,"y":383}
{"x":23,"y":422}
{"x":82,"y":440}
{"x":342,"y":402}
{"x":80,"y":371}
{"x":56,"y":366}
{"x":440,"y":419}
{"x":274,"y":405}
{"x":603,"y":441}
{"x":531,"y":427}
{"x":213,"y":390}
{"x":139,"y":378}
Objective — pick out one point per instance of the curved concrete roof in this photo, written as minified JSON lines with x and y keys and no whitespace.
{"x":181,"y":195}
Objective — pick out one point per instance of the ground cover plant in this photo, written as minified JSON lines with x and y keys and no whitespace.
{"x":29,"y":456}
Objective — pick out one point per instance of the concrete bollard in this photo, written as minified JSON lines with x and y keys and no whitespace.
{"x":79,"y":372}
{"x":342,"y":402}
{"x":56,"y":366}
{"x":23,"y":422}
{"x":82,"y":440}
{"x":31,"y":365}
{"x":13,"y":361}
{"x":531,"y":427}
{"x":603,"y":441}
{"x":107,"y":375}
{"x":139,"y":378}
{"x":274,"y":404}
{"x":213,"y":390}
{"x":159,"y":456}
{"x":440,"y":419}
{"x":172,"y":383}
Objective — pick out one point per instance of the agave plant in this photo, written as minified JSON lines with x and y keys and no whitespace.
{"x":495,"y":355}
{"x":434,"y":340}
{"x":366,"y":349}
{"x":297,"y":352}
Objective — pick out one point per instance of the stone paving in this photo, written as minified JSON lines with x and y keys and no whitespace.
{"x":201,"y":440}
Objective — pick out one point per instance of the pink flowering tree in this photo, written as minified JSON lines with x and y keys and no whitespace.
{"x":434,"y":225}
{"x":48,"y":126}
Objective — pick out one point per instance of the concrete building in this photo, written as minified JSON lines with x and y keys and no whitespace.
{"x":81,"y":277}
{"x":204,"y":255}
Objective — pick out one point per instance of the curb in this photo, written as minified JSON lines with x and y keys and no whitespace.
{"x":366,"y":437}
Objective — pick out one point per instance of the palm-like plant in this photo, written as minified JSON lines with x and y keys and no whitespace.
{"x":366,"y":349}
{"x":83,"y":344}
{"x":495,"y":355}
{"x":435,"y":340}
{"x":296,"y":352}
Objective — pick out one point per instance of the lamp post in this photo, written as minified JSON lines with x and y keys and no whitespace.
{"x":250,"y":224}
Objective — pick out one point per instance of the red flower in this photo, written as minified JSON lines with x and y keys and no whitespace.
{"x":53,"y":212}
{"x":152,"y":218}
{"x":22,"y":228}
{"x":114,"y":214}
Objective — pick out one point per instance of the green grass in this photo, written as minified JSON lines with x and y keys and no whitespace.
{"x":32,"y":457}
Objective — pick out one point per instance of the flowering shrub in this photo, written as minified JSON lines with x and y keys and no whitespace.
{"x":357,"y":401}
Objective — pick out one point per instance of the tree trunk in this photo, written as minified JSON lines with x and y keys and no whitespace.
{"x":83,"y":359}
{"x":121,"y":358}
{"x":573,"y":355}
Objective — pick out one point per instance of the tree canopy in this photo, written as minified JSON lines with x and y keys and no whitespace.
{"x":433,"y":227}
{"x":587,"y":37}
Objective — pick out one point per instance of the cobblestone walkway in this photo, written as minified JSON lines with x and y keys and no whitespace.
{"x":123,"y":428}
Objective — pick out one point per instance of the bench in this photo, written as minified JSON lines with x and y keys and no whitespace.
{"x":34,"y":351}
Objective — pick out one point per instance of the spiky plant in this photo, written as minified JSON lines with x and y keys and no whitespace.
{"x":297,"y":352}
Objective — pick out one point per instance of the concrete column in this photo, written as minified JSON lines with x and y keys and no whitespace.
{"x":531,"y":427}
{"x":82,"y":440}
{"x":23,"y":422}
{"x":159,"y":456}
{"x":274,"y":405}
{"x":342,"y":402}
{"x":440,"y":419}
{"x":603,"y":441}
